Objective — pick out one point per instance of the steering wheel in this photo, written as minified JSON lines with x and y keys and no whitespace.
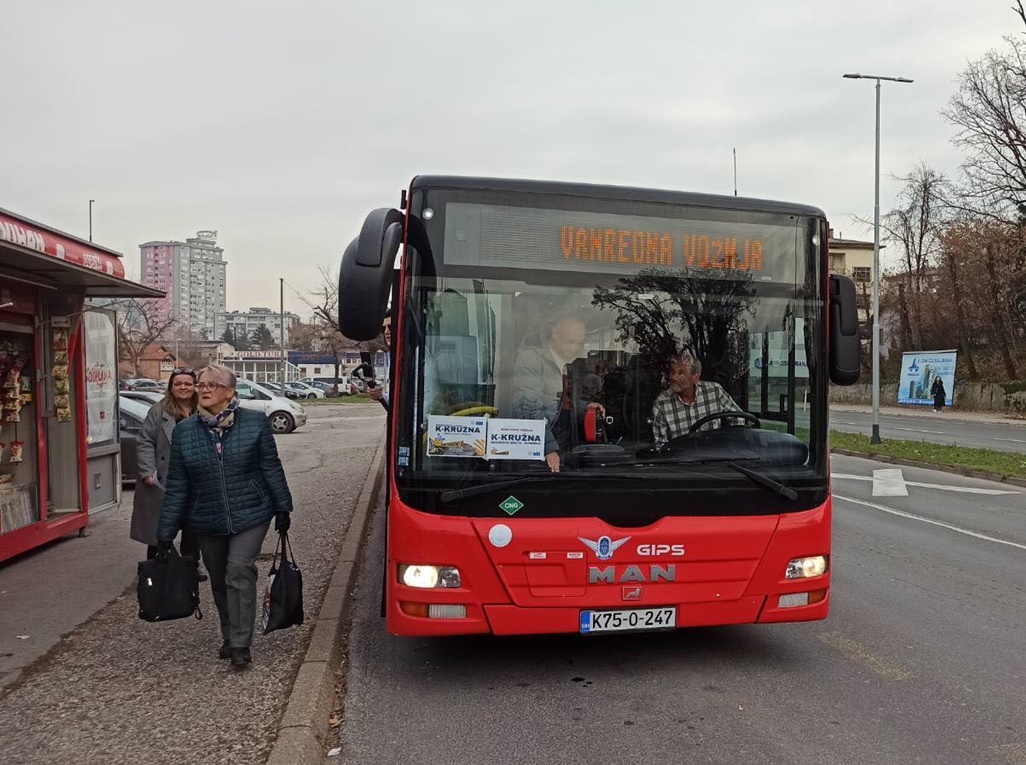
{"x":473,"y":409}
{"x":725,"y":416}
{"x":678,"y":441}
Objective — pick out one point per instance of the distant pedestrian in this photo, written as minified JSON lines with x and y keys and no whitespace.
{"x":938,"y":393}
{"x":377,"y":393}
{"x":153,"y":451}
{"x":225,"y":484}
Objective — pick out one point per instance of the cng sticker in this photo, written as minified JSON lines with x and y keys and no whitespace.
{"x":511,"y":505}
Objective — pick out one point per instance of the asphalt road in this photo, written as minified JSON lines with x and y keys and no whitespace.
{"x":921,"y":659}
{"x":1007,"y":436}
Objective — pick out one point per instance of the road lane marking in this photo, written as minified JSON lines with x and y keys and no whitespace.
{"x":889,"y":482}
{"x":1013,"y":440}
{"x":924,"y":430}
{"x":931,"y":521}
{"x":855,"y":650}
{"x":940,"y":486}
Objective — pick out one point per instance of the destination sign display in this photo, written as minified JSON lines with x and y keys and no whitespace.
{"x":565,"y":240}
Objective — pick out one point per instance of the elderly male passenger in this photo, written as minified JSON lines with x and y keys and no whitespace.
{"x":687,"y":400}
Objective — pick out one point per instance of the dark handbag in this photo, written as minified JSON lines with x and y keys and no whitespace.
{"x":168,"y":587}
{"x":283,"y":597}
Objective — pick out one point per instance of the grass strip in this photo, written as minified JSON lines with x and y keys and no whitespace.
{"x":1011,"y":464}
{"x":358,"y":399}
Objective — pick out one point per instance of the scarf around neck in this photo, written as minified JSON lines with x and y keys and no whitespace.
{"x":218,"y":424}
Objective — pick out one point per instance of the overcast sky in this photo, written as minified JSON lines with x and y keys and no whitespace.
{"x":281,"y":125}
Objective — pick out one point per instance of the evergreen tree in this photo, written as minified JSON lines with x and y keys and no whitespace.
{"x":262,"y":339}
{"x":239,"y":342}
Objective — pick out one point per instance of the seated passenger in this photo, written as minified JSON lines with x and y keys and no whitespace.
{"x":542,"y":388}
{"x":687,"y":400}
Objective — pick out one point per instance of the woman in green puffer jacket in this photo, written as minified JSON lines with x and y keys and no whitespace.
{"x":225,"y":484}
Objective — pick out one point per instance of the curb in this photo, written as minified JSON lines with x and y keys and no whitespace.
{"x":304,"y":728}
{"x":933,"y":466}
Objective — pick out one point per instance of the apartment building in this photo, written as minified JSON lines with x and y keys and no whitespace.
{"x":193,"y":274}
{"x":854,"y":258}
{"x":244,"y":323}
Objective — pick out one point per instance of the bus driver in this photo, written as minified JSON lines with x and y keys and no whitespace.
{"x":686,"y":400}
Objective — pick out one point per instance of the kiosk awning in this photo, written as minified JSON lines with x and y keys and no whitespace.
{"x":32,"y":253}
{"x":48,"y":272}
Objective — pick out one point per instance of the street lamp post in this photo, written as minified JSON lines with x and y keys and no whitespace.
{"x":91,"y":219}
{"x":281,"y":311}
{"x":875,"y":437}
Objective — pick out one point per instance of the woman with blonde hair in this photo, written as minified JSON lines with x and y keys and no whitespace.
{"x":225,"y":484}
{"x":153,"y":450}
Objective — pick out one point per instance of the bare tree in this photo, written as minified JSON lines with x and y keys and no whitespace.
{"x":193,"y":348}
{"x":989,"y":110}
{"x":914,"y":228}
{"x":324,"y":303}
{"x":140,"y":324}
{"x":984,"y":262}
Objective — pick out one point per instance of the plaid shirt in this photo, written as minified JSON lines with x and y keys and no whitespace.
{"x":671,"y":417}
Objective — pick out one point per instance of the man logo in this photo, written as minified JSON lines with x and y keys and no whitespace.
{"x":631,"y":593}
{"x":604,"y":547}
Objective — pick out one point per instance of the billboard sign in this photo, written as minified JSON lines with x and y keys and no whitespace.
{"x":919,"y":370}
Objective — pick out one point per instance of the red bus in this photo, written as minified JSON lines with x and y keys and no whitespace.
{"x":608,"y":406}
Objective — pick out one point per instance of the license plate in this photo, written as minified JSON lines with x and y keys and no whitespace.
{"x":628,"y":619}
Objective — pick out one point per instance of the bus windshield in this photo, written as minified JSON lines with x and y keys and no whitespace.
{"x":591,"y":342}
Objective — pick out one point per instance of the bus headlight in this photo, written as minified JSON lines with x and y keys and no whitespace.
{"x":428,"y":577}
{"x":803,"y":568}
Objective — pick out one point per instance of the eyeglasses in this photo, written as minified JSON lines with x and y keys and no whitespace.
{"x":183,"y":371}
{"x":209,"y":386}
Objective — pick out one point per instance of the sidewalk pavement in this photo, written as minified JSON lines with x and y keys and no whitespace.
{"x":928,"y":413}
{"x":46,"y":593}
{"x":94,"y":684}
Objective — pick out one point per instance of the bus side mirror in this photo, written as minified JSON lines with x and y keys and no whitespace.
{"x":365,"y":276}
{"x":845,"y":345}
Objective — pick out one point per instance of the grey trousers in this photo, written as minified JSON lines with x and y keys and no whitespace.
{"x":231,"y":564}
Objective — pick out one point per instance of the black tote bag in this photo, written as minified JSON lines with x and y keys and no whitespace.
{"x":283,"y":598}
{"x":168,"y":588}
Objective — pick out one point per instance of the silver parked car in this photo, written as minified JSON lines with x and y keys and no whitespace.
{"x":285,"y":415}
{"x":304,"y":391}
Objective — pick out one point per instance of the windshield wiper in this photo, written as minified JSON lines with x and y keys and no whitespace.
{"x":451,"y":495}
{"x":752,"y":475}
{"x":764,"y":480}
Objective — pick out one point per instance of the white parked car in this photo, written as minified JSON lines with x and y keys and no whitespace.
{"x":285,"y":415}
{"x":305,"y":391}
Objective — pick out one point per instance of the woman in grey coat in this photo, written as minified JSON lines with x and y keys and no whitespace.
{"x":153,"y":447}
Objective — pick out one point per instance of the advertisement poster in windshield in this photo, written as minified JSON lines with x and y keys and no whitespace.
{"x":516,"y":439}
{"x":456,"y":436}
{"x":919,"y":370}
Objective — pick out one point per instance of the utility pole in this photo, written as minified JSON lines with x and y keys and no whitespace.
{"x":91,"y":219}
{"x":281,"y":308}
